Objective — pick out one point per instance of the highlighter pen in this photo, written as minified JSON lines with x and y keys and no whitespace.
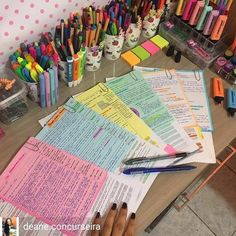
{"x":213,"y":16}
{"x":231,"y":101}
{"x":47,"y":88}
{"x":42,"y":90}
{"x":52,"y":86}
{"x":219,"y":27}
{"x":189,"y":9}
{"x":196,"y":13}
{"x":26,"y":73}
{"x":218,"y":90}
{"x":75,"y":69}
{"x":82,"y":58}
{"x":233,"y":45}
{"x":180,"y":7}
{"x":203,"y":17}
{"x":69,"y":60}
{"x":55,"y":69}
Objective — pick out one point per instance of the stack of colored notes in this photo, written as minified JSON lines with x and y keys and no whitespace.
{"x":75,"y":165}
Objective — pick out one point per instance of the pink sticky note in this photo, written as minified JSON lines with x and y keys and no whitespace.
{"x":150,"y":47}
{"x":169,"y":149}
{"x":52,"y":185}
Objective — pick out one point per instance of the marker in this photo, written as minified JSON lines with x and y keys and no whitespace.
{"x":231,"y":101}
{"x":180,"y":7}
{"x":75,"y":69}
{"x":34,"y":75}
{"x":233,"y":45}
{"x":210,"y":23}
{"x":62,"y":32}
{"x":26,"y":73}
{"x":143,"y":170}
{"x":218,"y":90}
{"x":82,"y":57}
{"x":196,"y":13}
{"x":219,"y":27}
{"x":47,"y":88}
{"x":42,"y":90}
{"x":55,"y":69}
{"x":189,"y":9}
{"x":69,"y":60}
{"x":203,"y":17}
{"x":52,"y":86}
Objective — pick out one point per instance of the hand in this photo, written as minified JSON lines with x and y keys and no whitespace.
{"x":115,"y":223}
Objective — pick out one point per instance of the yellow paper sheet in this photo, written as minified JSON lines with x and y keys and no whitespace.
{"x":102,"y":100}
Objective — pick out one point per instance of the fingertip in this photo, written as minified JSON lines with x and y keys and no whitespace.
{"x":114,"y":206}
{"x":98,"y":215}
{"x":133,"y":216}
{"x":124,"y":205}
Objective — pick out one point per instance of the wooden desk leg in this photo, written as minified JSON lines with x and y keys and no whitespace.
{"x":186,"y":197}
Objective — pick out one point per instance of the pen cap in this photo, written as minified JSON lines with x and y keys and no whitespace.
{"x":218,"y":90}
{"x":219,"y":27}
{"x":231,"y":101}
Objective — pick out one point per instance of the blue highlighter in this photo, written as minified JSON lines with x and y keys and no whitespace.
{"x":231,"y":101}
{"x":42,"y":90}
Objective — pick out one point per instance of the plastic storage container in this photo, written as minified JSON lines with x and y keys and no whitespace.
{"x":193,"y":45}
{"x":13,"y":102}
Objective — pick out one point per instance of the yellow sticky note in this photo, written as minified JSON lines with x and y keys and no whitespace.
{"x":130,"y":58}
{"x":159,"y":41}
{"x":104,"y":101}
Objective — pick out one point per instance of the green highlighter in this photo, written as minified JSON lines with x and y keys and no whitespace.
{"x":141,"y":53}
{"x":203,"y":17}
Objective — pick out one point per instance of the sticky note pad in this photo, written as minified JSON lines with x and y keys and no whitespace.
{"x":130,"y":58}
{"x":159,"y":41}
{"x":141,"y":53}
{"x":150,"y":47}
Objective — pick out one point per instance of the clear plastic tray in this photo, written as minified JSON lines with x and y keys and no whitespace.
{"x":193,"y":45}
{"x":13,"y":103}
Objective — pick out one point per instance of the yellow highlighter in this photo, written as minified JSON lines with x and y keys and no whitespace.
{"x":34,"y":75}
{"x":38,"y":68}
{"x":29,"y":58}
{"x":180,"y":7}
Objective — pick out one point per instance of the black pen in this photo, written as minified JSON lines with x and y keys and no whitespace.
{"x":140,"y":160}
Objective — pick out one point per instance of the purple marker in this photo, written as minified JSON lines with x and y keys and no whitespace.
{"x":228,"y":67}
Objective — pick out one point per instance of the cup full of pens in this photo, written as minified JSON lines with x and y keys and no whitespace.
{"x":36,"y":65}
{"x":93,"y":24}
{"x":133,"y":33}
{"x":151,"y":22}
{"x":117,"y":18}
{"x":71,"y":48}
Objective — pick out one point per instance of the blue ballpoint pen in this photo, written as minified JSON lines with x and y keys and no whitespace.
{"x":144,"y":170}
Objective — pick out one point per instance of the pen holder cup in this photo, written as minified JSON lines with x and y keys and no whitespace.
{"x":62,"y":71}
{"x":150,"y":26}
{"x":94,"y":57}
{"x":32,"y":91}
{"x":113,"y":46}
{"x":133,"y":34}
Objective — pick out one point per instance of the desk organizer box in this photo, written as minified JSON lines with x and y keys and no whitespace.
{"x":13,"y":101}
{"x":193,"y":45}
{"x":225,"y":66}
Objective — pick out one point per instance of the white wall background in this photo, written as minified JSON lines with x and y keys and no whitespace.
{"x":24,"y":20}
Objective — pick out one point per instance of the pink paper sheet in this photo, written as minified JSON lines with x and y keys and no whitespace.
{"x":51,"y":184}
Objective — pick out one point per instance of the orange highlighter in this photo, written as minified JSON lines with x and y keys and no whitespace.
{"x":75,"y":69}
{"x":219,"y":27}
{"x":218,"y":90}
{"x":233,"y":46}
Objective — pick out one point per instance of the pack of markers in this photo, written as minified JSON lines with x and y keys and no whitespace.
{"x":36,"y":64}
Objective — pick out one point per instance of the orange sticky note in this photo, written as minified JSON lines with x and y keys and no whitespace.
{"x":130,"y":58}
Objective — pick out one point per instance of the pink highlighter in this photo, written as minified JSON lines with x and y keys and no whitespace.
{"x":189,"y":9}
{"x":196,"y":13}
{"x":210,"y":22}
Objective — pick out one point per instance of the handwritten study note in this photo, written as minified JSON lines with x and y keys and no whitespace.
{"x":195,"y":89}
{"x":102,"y":100}
{"x":138,"y":94}
{"x":168,"y":87}
{"x":51,"y":184}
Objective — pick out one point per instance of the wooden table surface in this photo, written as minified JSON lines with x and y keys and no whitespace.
{"x":166,"y":186}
